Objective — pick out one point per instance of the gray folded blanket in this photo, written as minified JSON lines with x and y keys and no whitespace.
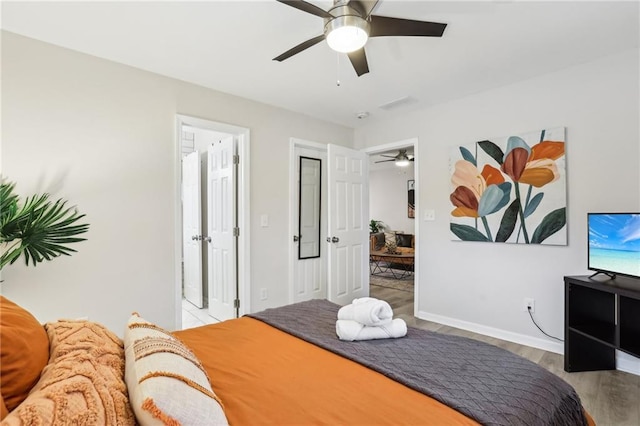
{"x":486,"y":383}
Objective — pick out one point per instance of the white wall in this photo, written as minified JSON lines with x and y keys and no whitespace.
{"x":388,"y":197}
{"x":102,"y":135}
{"x":483,"y":285}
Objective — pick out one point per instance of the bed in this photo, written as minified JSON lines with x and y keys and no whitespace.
{"x":280,"y":366}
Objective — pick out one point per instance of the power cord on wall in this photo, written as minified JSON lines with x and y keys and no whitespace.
{"x":536,"y":324}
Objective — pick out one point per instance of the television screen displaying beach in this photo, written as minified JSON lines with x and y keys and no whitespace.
{"x":614,"y":243}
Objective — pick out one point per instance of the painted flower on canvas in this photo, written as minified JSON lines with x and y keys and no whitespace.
{"x":511,"y":189}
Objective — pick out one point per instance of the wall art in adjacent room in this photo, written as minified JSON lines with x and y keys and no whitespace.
{"x":411,"y":197}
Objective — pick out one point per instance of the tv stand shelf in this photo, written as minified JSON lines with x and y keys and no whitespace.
{"x":601,"y":315}
{"x":605,"y":333}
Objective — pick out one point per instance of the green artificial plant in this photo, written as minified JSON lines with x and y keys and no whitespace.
{"x":39,"y":229}
{"x":376,"y":226}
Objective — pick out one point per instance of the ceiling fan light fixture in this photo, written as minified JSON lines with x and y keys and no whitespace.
{"x":403,"y":162}
{"x":348,"y":25}
{"x":347,"y":34}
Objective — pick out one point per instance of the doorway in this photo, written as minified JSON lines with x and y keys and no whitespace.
{"x":394,"y":201}
{"x":308,"y":213}
{"x":212,"y":250}
{"x":343,"y":250}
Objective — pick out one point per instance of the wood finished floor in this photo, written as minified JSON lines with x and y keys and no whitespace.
{"x":612,"y":398}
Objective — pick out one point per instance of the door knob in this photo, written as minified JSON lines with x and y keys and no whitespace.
{"x":207,"y":239}
{"x":296,"y":238}
{"x":335,"y":239}
{"x":195,"y":237}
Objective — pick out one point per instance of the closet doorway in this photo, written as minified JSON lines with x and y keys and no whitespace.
{"x":329,"y":232}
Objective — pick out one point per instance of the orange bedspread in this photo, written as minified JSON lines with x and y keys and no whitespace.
{"x":265,"y":376}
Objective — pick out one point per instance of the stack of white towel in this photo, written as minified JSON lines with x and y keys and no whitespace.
{"x":368,"y":318}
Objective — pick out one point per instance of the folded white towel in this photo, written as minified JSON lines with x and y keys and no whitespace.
{"x":367,"y":311}
{"x":363,"y":300}
{"x":351,"y":330}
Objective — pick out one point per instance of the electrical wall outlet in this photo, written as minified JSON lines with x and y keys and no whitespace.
{"x":528,"y":303}
{"x":429,"y":215}
{"x":263,"y":294}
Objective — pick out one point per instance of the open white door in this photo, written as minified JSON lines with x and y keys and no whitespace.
{"x":192,"y":229}
{"x":221,"y":177}
{"x":348,"y":234}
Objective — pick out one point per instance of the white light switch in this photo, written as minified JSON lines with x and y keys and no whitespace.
{"x":429,"y":215}
{"x":264,"y":220}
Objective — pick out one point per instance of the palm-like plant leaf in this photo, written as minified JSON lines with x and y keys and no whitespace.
{"x":8,"y":205}
{"x":40,"y":229}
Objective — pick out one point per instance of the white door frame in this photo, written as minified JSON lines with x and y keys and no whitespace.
{"x":293,"y":208}
{"x":244,"y":270}
{"x":397,"y":145}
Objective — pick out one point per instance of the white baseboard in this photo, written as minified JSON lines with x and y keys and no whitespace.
{"x":522,"y":339}
{"x":627,"y":363}
{"x":624,"y":362}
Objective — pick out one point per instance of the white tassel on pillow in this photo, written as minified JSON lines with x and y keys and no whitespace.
{"x":351,"y":330}
{"x":367,"y":311}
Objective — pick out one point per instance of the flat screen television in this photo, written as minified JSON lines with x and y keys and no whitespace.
{"x":614,"y":243}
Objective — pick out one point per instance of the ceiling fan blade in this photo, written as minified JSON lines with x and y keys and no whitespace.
{"x":388,"y":156}
{"x":365,"y":7}
{"x":384,"y":161}
{"x":359,"y":61}
{"x":307,"y":7}
{"x":386,"y":26}
{"x":299,"y":48}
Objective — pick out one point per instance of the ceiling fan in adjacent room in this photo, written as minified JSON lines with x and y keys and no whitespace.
{"x":349,"y":24}
{"x":402,"y":159}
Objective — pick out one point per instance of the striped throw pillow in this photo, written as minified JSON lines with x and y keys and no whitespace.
{"x":167,"y":383}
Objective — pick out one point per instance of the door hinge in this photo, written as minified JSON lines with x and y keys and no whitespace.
{"x":236,"y":159}
{"x":236,"y":232}
{"x":236,"y":303}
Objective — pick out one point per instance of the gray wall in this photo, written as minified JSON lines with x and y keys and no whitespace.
{"x":482,"y":286}
{"x":388,"y":197}
{"x":102,"y":135}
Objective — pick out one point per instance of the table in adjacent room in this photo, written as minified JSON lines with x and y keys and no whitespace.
{"x":396,"y":265}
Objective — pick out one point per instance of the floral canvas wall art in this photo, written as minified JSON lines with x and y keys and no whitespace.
{"x":411,"y":197}
{"x":511,"y":189}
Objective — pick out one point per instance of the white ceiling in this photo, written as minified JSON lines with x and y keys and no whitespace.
{"x":229,"y":46}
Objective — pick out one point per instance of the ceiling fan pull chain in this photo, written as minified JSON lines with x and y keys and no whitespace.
{"x":337,"y":69}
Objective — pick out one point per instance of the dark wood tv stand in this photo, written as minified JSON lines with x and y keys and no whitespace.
{"x":601,"y":315}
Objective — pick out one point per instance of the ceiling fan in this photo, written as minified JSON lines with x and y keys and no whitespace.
{"x":349,"y":24}
{"x":401,"y":159}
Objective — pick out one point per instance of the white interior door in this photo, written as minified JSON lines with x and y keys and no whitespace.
{"x":308,"y":226}
{"x":221,"y":188}
{"x":192,"y":229}
{"x":348,"y":269}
